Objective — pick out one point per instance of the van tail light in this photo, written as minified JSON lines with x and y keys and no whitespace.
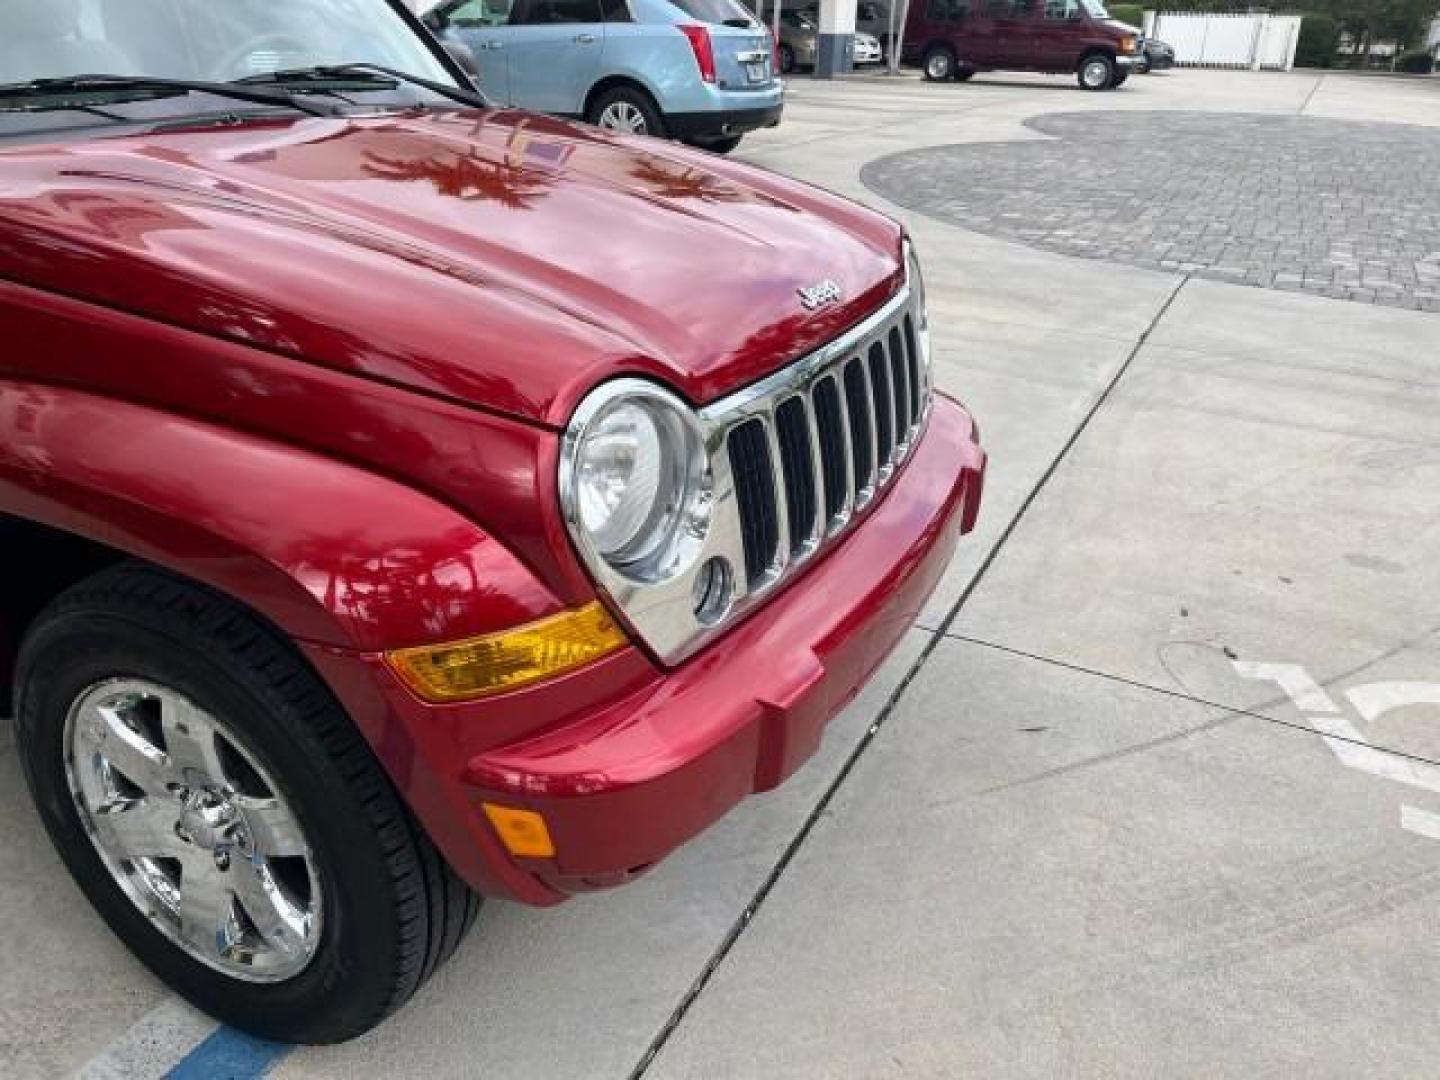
{"x":699,"y":39}
{"x":774,"y":52}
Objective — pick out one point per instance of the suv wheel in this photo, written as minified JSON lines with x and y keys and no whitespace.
{"x":787,"y":59}
{"x":630,"y":112}
{"x":938,"y":63}
{"x":1096,"y":72}
{"x":222,"y":813}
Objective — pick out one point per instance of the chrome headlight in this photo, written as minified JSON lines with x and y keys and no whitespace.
{"x":635,"y":480}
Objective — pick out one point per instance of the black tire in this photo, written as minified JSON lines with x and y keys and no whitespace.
{"x":623,"y":98}
{"x":787,"y":59}
{"x":1096,"y":72}
{"x":938,"y":63}
{"x":719,"y":146}
{"x":1119,"y":80}
{"x":392,"y":910}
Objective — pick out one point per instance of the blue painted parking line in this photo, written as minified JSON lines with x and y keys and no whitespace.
{"x":229,"y":1054}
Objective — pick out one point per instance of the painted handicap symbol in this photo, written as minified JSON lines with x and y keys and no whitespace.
{"x":1349,"y":741}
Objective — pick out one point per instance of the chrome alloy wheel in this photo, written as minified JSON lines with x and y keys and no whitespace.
{"x":1095,"y":73}
{"x":623,"y":116}
{"x":193,"y":830}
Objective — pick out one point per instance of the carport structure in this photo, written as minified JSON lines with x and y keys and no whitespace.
{"x":836,"y":18}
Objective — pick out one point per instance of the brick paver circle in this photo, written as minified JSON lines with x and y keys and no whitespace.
{"x":1344,"y":209}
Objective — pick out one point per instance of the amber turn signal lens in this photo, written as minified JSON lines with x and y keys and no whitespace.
{"x":464,"y":670}
{"x":523,"y":832}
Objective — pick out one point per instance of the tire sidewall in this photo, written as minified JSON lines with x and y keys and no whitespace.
{"x":71,"y":653}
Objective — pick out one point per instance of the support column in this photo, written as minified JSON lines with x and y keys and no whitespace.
{"x":836,"y":52}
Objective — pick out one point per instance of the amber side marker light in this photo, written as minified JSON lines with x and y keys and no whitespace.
{"x":523,"y":832}
{"x":494,"y":663}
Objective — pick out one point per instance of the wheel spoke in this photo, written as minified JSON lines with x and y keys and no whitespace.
{"x":136,"y":828}
{"x":190,"y":741}
{"x":274,"y":832}
{"x":284,"y":926}
{"x":127,"y":751}
{"x":207,"y":912}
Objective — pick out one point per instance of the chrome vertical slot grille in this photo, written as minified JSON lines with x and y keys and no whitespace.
{"x":810,"y":447}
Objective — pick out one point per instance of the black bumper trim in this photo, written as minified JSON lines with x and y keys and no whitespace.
{"x":717,"y":125}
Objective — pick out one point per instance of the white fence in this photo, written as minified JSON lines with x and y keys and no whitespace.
{"x":1230,"y":41}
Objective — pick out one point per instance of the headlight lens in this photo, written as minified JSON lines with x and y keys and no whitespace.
{"x":637,"y":478}
{"x":621,"y":464}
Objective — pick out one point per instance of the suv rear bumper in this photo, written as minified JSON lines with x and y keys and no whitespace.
{"x":663,"y":755}
{"x":721,"y":123}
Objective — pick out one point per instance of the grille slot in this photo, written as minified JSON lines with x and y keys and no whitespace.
{"x":901,"y":382}
{"x":792,"y":426}
{"x":912,"y":355}
{"x":862,"y":436}
{"x":834,"y":454}
{"x":749,"y":447}
{"x":884,"y":411}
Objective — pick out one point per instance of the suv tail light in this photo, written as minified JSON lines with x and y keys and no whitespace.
{"x":774,"y":51}
{"x":699,"y":39}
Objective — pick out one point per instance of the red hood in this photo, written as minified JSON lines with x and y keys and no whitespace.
{"x":503,"y":259}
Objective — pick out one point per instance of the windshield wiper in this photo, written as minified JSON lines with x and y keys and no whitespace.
{"x":376,"y":73}
{"x":148,"y":85}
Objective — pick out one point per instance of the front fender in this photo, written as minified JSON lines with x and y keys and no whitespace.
{"x":331,"y":553}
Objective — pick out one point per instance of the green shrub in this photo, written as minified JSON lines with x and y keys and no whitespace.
{"x":1318,"y":37}
{"x":1133,"y":14}
{"x":1418,"y":62}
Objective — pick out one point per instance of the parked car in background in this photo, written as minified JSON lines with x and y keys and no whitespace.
{"x":1155,"y":55}
{"x":866,"y":49}
{"x":953,"y":39}
{"x":799,"y":40}
{"x":871,"y":17}
{"x":404,"y":499}
{"x":697,"y":70}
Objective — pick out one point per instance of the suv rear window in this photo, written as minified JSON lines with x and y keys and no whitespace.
{"x":719,"y":12}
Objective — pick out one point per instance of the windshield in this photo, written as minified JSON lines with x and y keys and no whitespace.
{"x":205,"y":40}
{"x":1095,"y":9}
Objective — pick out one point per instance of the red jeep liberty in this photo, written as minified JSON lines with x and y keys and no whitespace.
{"x":405,"y":500}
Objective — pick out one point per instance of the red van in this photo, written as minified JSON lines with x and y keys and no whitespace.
{"x":956,"y":38}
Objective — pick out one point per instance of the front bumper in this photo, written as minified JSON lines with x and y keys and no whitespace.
{"x":638,"y":760}
{"x":631,"y":760}
{"x":722,"y":123}
{"x":1130,"y":62}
